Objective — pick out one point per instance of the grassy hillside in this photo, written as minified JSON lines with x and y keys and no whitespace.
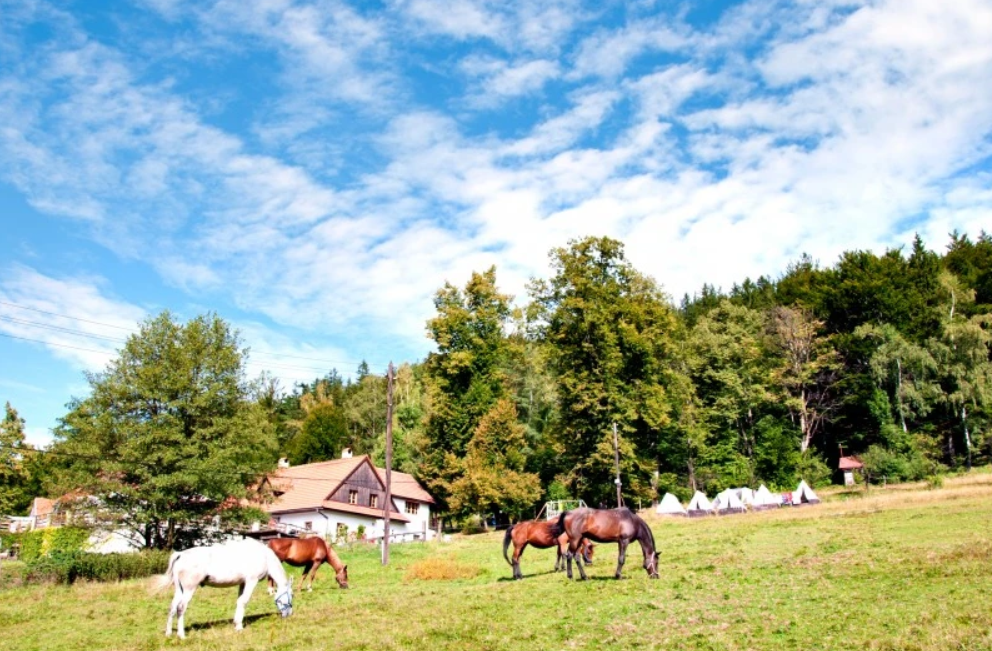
{"x":900,"y":568}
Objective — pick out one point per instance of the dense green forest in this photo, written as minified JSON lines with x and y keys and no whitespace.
{"x":883,"y":356}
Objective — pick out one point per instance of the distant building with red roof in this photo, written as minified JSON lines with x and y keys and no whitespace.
{"x":333,"y":498}
{"x":848,"y":465}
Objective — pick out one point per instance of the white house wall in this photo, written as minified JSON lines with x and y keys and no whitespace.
{"x":328,"y":526}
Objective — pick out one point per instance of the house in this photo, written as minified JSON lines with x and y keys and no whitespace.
{"x":75,"y":509}
{"x":335,"y":498}
{"x":848,"y":465}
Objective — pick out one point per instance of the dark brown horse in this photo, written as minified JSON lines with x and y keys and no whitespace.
{"x":540,"y":534}
{"x":608,"y":525}
{"x":309,"y":553}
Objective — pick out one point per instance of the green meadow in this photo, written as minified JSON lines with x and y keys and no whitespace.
{"x":898,"y":568}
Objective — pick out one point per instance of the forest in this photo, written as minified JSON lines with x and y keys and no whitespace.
{"x":886,"y":357}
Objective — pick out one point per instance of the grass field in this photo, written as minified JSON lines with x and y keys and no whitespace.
{"x":900,"y":568}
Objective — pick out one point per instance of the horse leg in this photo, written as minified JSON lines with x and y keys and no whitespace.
{"x":573,"y":547}
{"x":173,"y":609}
{"x":622,"y":544}
{"x":313,"y":572}
{"x":517,"y":553}
{"x":244,"y":594}
{"x":183,"y":604}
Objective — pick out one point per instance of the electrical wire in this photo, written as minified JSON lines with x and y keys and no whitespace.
{"x":109,"y":325}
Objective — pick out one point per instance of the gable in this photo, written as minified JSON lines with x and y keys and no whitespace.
{"x":365,"y":482}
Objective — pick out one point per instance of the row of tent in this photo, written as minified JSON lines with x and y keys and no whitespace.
{"x":737,"y":500}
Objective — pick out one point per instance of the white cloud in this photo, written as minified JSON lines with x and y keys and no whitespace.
{"x":497,"y":81}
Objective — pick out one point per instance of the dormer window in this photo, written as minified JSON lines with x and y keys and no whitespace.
{"x":373,"y":501}
{"x":352,"y":497}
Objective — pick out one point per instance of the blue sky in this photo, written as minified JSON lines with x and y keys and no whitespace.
{"x":315,"y":171}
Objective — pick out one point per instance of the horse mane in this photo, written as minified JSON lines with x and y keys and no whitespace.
{"x":642,"y":528}
{"x":274,"y":568}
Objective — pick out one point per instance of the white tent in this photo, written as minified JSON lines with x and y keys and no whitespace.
{"x":764,"y":499}
{"x":670,"y":506}
{"x":727,"y":503}
{"x":804,"y":494}
{"x":699,"y":505}
{"x":746,"y":495}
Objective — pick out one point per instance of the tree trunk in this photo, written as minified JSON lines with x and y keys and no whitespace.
{"x":902,"y":416}
{"x":967,"y":436}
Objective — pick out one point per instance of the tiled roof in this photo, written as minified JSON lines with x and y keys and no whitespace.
{"x":850,"y":463}
{"x":308,"y":487}
{"x":405,"y":486}
{"x":42,"y":507}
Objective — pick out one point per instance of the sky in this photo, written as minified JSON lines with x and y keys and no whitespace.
{"x":314,"y":171}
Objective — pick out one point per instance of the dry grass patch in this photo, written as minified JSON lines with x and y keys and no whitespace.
{"x":442,"y":568}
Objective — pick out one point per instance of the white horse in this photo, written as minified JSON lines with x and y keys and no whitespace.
{"x":238,"y":562}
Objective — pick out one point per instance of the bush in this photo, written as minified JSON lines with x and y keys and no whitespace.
{"x":54,"y":540}
{"x":69,"y":567}
{"x":911,"y":464}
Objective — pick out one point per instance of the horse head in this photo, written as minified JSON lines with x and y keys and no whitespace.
{"x":651,"y":565}
{"x":588,"y":550}
{"x":284,"y":599}
{"x":342,"y":577}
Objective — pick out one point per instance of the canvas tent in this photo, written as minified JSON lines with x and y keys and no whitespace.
{"x":746,"y":495}
{"x":804,"y":495}
{"x":727,"y":503}
{"x":764,"y":499}
{"x":699,"y":505}
{"x":670,"y":506}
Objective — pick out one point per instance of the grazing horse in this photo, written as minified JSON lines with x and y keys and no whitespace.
{"x":238,"y":562}
{"x":309,"y":553}
{"x":608,"y":525}
{"x":539,"y":533}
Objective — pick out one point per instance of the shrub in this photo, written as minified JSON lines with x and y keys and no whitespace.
{"x":55,"y":540}
{"x":69,"y":567}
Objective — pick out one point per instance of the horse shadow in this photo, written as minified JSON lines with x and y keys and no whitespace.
{"x":199,"y":626}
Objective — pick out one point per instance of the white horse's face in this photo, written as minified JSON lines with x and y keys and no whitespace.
{"x":284,"y":600}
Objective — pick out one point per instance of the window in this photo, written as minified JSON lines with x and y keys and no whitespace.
{"x":308,"y":526}
{"x":352,"y":497}
{"x":342,"y":533}
{"x":374,"y":501}
{"x":412,"y":507}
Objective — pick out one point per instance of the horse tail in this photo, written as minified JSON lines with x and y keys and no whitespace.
{"x":169,"y":577}
{"x":507,"y":537}
{"x":559,"y":526}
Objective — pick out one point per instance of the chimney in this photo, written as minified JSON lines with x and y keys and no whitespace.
{"x":284,"y":462}
{"x":346,"y":453}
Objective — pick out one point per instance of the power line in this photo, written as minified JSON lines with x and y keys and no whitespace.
{"x":45,"y":326}
{"x":261,"y":365}
{"x":109,"y":325}
{"x":102,"y":457}
{"x":64,"y":316}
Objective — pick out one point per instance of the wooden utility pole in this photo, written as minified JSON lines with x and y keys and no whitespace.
{"x":389,"y":465}
{"x":616,"y":455}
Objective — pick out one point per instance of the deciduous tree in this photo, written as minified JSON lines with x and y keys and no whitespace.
{"x":168,"y":433}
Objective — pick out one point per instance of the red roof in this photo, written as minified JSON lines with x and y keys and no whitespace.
{"x":308,"y":487}
{"x":850,"y":463}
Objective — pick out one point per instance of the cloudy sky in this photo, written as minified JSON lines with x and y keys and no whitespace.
{"x":315,"y":171}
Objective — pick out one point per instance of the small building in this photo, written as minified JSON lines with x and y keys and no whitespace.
{"x":848,"y":465}
{"x":334,"y":498}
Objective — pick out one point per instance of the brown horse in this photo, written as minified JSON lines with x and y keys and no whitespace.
{"x":309,"y":553}
{"x":608,"y":525}
{"x":539,"y":533}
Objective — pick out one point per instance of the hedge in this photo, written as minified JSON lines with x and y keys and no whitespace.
{"x":53,"y":540}
{"x":69,"y":567}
